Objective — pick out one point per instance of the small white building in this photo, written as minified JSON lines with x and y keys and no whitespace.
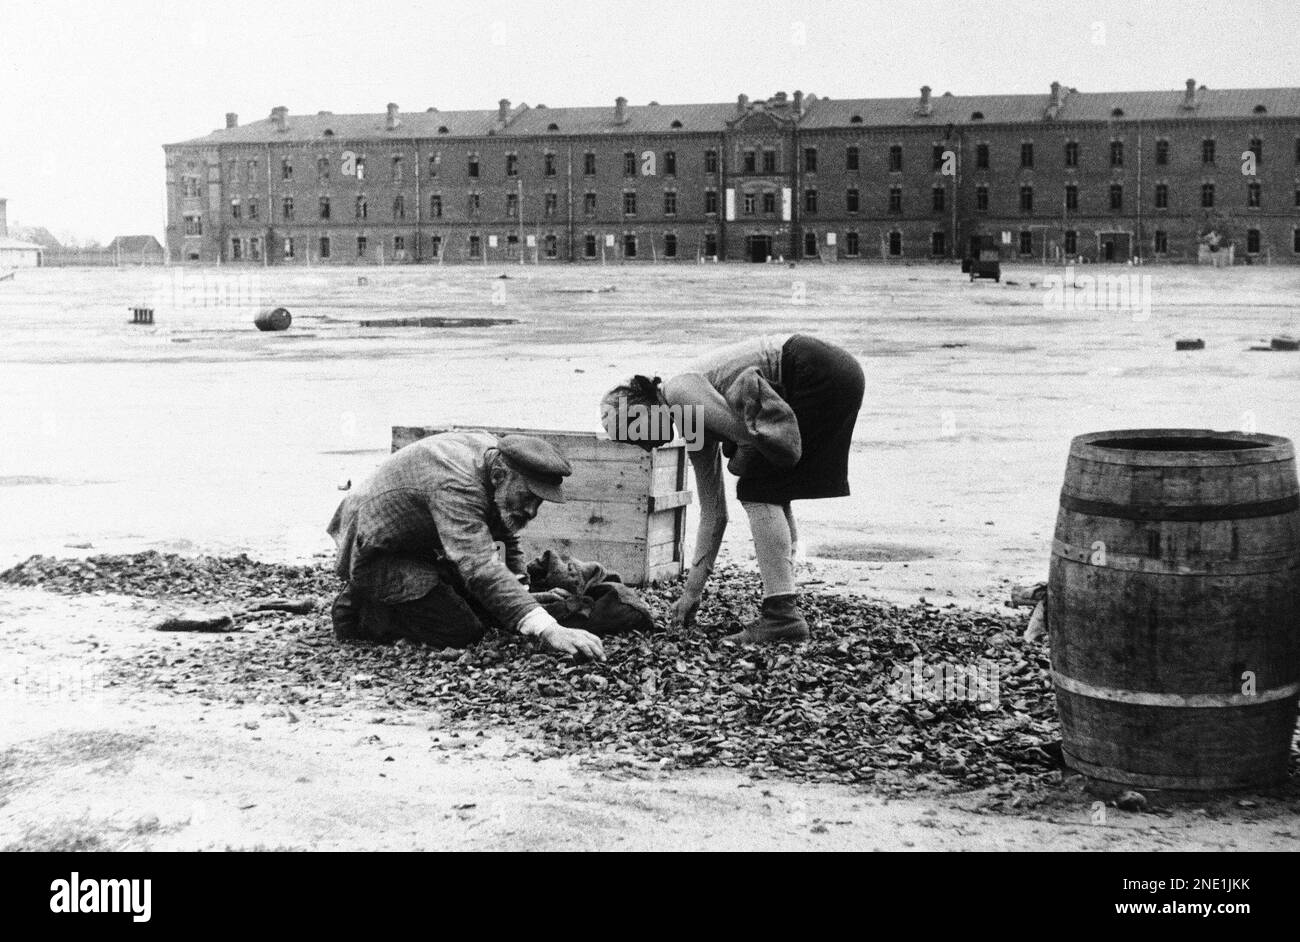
{"x":15,"y":253}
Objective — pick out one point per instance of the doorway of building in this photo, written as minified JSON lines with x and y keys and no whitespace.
{"x":758,"y":247}
{"x":1115,"y":246}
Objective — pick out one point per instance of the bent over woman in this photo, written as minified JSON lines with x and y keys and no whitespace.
{"x":781,"y":410}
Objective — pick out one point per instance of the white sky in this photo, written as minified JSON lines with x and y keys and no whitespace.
{"x":90,"y":91}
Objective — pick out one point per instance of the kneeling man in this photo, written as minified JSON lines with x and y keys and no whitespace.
{"x":417,"y":543}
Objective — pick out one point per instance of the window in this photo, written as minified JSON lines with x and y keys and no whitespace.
{"x":361,"y":209}
{"x":433,"y":164}
{"x":252,"y":170}
{"x":1026,"y":242}
{"x":253,"y":209}
{"x":938,"y":244}
{"x":1117,"y":153}
{"x":711,"y":244}
{"x":895,"y":243}
{"x":397,"y":168}
{"x":1297,"y":198}
{"x":286,"y":168}
{"x":286,"y":208}
{"x":362,"y":244}
{"x":895,"y":199}
{"x":361,"y":168}
{"x":1072,"y":153}
{"x":670,"y":163}
{"x":1162,"y":196}
{"x":435,"y":246}
{"x":629,"y":203}
{"x":1116,"y":196}
{"x":710,"y":202}
{"x":1207,"y":195}
{"x":475,"y":246}
{"x":851,"y":155}
{"x":936,"y":157}
{"x":548,"y":164}
{"x":474,"y":203}
{"x":1207,"y":151}
{"x":1026,"y":199}
{"x":852,"y":245}
{"x":629,"y":164}
{"x":670,"y":202}
{"x":670,"y":246}
{"x":748,"y":161}
{"x":810,"y":245}
{"x":552,"y":246}
{"x":1297,"y":150}
{"x":1027,"y":154}
{"x":189,"y":186}
{"x":810,"y":160}
{"x":769,"y":160}
{"x":981,"y":156}
{"x":550,"y":203}
{"x":323,"y":247}
{"x":236,"y":249}
{"x":1252,"y":194}
{"x":852,"y":200}
{"x":589,"y":164}
{"x":982,"y":199}
{"x":1071,"y":242}
{"x":435,"y":206}
{"x":399,"y":207}
{"x":512,"y":165}
{"x":711,"y":159}
{"x":288,"y":248}
{"x":322,"y":169}
{"x":1257,"y":148}
{"x":255,"y":249}
{"x":1295,"y":241}
{"x":895,"y":158}
{"x":749,"y":204}
{"x":512,"y":205}
{"x":399,"y":244}
{"x":1162,"y":152}
{"x":589,"y":246}
{"x":1252,"y":241}
{"x":235,"y":209}
{"x":1162,"y":242}
{"x":629,"y":245}
{"x":472,"y":167}
{"x":810,"y":201}
{"x":1071,"y":197}
{"x":769,"y":202}
{"x":937,"y":199}
{"x":193,"y":225}
{"x":324,"y":207}
{"x":589,"y":204}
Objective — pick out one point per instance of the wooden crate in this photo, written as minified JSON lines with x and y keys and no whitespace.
{"x":624,"y":508}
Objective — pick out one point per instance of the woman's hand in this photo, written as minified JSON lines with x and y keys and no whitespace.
{"x":683,"y":611}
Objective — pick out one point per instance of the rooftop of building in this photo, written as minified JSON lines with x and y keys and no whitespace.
{"x":1060,"y":104}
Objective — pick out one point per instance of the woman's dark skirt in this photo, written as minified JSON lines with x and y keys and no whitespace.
{"x":823,"y":385}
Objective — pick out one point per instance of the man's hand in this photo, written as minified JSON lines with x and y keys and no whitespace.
{"x":684,"y":609}
{"x":573,"y":641}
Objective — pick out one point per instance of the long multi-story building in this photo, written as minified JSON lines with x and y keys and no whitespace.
{"x":1095,"y":176}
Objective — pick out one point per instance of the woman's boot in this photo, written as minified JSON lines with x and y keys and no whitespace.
{"x":779,"y":621}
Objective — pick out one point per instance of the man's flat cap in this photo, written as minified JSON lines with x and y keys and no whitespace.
{"x":538,"y":462}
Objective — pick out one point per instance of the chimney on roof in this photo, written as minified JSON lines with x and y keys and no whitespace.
{"x":4,"y":217}
{"x":232,"y":120}
{"x":1056,"y":95}
{"x":742,"y":102}
{"x":620,"y":110}
{"x":1189,"y":96}
{"x":924,"y":108}
{"x":503,"y":110}
{"x":393,"y":120}
{"x":280,"y":115}
{"x":780,"y":98}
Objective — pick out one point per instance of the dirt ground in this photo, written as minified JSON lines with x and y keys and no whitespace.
{"x":199,"y":435}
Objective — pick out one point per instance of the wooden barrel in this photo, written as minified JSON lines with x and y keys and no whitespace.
{"x":1174,"y":607}
{"x":273,"y":318}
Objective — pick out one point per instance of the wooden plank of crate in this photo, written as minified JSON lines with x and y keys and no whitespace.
{"x":611,"y":520}
{"x":655,"y":503}
{"x":575,"y":446}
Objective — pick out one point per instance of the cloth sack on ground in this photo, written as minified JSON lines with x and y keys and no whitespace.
{"x":584,"y":595}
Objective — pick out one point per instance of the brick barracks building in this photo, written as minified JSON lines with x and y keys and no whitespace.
{"x":1066,"y":175}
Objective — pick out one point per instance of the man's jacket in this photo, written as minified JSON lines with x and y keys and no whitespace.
{"x":431,"y":503}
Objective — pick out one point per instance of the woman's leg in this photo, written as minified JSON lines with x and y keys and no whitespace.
{"x":794,"y":533}
{"x":773,"y":545}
